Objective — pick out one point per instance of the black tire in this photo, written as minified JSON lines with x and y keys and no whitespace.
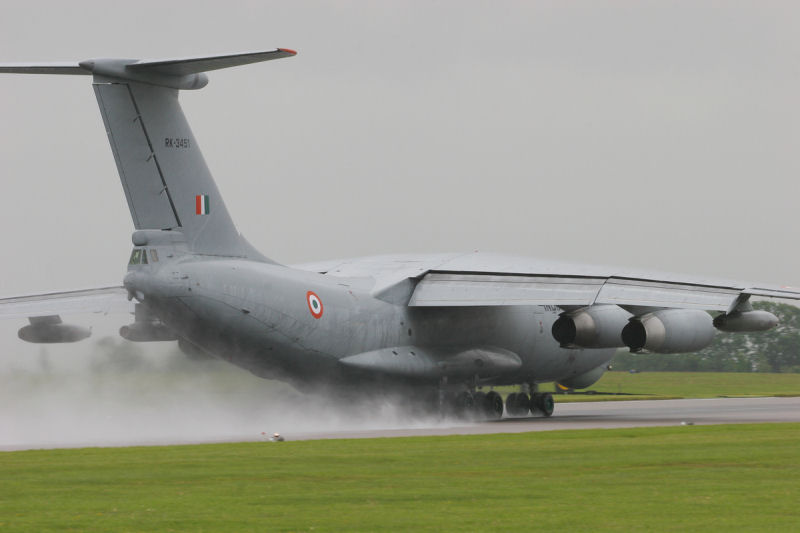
{"x":462,"y":403}
{"x":544,"y":403}
{"x":511,"y":404}
{"x":518,"y":404}
{"x":493,"y":405}
{"x":523,"y":404}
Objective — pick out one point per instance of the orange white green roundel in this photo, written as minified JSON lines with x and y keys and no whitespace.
{"x":314,"y":304}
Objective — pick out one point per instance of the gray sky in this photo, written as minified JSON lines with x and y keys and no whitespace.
{"x":651,"y":134}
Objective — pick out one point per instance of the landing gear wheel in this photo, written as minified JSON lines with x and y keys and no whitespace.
{"x":462,"y":403}
{"x":517,"y":404}
{"x":493,"y":406}
{"x":523,"y":403}
{"x":544,"y":402}
{"x":511,"y":403}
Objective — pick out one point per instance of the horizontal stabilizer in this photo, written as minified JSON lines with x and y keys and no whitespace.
{"x":194,"y":65}
{"x":42,"y":68}
{"x":181,"y":73}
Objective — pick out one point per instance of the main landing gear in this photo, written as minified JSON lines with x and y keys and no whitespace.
{"x":489,"y":405}
{"x":519,"y":403}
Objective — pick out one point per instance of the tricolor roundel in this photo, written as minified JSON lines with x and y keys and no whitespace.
{"x":201,"y":204}
{"x":314,"y":304}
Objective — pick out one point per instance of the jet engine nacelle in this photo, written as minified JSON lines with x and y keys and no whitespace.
{"x":598,"y":326}
{"x":146,"y":332}
{"x":50,"y":329}
{"x":669,"y":331}
{"x":746,"y":321}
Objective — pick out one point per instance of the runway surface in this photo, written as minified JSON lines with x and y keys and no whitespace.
{"x":149,"y":427}
{"x":597,"y":415}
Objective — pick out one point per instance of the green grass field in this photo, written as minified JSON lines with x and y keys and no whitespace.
{"x":670,"y":385}
{"x":711,"y":478}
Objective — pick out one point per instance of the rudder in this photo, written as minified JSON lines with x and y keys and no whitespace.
{"x":161,"y":167}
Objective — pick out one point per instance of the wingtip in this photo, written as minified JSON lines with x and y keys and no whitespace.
{"x":288,"y":51}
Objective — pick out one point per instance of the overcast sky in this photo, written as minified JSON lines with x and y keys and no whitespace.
{"x":660,"y":135}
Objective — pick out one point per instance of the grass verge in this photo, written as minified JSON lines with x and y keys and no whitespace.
{"x":676,"y":385}
{"x":714,"y":478}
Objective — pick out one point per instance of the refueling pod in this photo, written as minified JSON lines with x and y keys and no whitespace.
{"x":597,"y":326}
{"x":669,"y":331}
{"x":50,"y":329}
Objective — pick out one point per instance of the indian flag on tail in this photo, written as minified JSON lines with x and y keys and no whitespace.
{"x":201,"y":204}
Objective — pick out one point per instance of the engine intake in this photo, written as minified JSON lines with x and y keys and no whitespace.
{"x":598,"y":326}
{"x":669,"y":331}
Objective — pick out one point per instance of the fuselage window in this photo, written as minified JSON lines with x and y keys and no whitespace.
{"x":153,"y":256}
{"x":144,"y":257}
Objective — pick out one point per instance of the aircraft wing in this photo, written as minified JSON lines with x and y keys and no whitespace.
{"x":481,"y":279}
{"x":95,"y":300}
{"x":447,"y":288}
{"x":490,"y":279}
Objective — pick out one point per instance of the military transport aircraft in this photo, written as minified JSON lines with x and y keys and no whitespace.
{"x":438,"y":327}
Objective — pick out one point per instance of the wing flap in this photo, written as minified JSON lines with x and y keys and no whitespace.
{"x":438,"y":289}
{"x":645,"y":293}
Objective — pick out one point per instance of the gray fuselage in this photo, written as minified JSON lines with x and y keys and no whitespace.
{"x":257,"y":315}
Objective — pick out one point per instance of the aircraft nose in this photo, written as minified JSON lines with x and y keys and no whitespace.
{"x":133,"y":283}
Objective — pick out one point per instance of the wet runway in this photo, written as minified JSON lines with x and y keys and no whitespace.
{"x":597,"y":415}
{"x":163,"y":427}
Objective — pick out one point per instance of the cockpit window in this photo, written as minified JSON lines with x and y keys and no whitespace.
{"x":153,"y":256}
{"x":136,"y":257}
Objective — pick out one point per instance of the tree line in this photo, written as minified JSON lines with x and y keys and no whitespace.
{"x":777,"y":350}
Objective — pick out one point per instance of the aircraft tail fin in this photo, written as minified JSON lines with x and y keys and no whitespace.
{"x":165,"y":178}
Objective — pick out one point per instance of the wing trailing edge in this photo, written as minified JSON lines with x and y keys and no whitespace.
{"x":445,"y":289}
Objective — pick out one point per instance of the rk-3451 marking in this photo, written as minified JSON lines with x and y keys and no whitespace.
{"x":176,"y":142}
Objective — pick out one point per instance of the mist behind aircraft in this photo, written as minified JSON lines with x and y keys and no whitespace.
{"x":110,"y":392}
